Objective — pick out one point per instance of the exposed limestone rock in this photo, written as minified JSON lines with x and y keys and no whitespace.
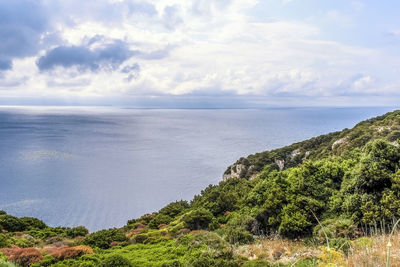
{"x":237,"y":170}
{"x":383,"y":128}
{"x":339,"y":142}
{"x":280,"y":163}
{"x":294,"y":153}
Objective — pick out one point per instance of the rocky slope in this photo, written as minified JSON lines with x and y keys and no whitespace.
{"x":383,"y":127}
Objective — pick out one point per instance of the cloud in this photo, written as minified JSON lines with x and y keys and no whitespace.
{"x":21,"y":26}
{"x":109,"y":57}
{"x":196,"y":48}
{"x":133,"y":71}
{"x":142,"y":8}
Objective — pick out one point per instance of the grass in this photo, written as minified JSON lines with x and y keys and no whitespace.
{"x":364,"y":252}
{"x":156,"y":254}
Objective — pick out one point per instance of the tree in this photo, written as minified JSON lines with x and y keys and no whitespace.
{"x":198,"y":219}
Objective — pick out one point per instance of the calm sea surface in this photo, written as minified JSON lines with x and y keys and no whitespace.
{"x":100,"y":167}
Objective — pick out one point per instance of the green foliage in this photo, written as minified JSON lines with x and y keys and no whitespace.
{"x":4,"y":263}
{"x":224,"y":197}
{"x":159,"y":219}
{"x":257,"y":263}
{"x":175,"y":208}
{"x":4,"y":241}
{"x":116,"y":261}
{"x":11,"y":223}
{"x":210,"y":240}
{"x":47,"y":232}
{"x":337,"y":227}
{"x":238,"y":235}
{"x":198,"y":219}
{"x":294,"y":222}
{"x":340,"y":244}
{"x":45,"y":262}
{"x":103,"y":238}
{"x":32,"y":223}
{"x":76,"y":231}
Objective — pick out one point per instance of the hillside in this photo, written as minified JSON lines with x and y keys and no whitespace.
{"x":331,"y":200}
{"x":386,"y":127}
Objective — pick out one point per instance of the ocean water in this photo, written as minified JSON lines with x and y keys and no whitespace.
{"x":99,"y":167}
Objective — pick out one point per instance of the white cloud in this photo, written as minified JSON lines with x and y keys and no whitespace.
{"x":214,"y":48}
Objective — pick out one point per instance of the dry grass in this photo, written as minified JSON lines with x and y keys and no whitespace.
{"x":374,"y":254}
{"x":364,"y":252}
{"x":277,"y":250}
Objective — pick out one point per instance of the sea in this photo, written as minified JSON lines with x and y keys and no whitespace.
{"x":101,"y":166}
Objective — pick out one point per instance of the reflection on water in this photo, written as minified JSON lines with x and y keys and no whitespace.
{"x":100,"y":167}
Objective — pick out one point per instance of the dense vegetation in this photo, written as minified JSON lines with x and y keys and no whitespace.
{"x":335,"y":188}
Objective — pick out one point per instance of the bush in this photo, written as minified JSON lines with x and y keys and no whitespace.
{"x":198,"y":219}
{"x":172,"y":264}
{"x":116,"y":261}
{"x":103,"y":238}
{"x":33,"y":223}
{"x":23,"y":256}
{"x":212,"y":240}
{"x":340,"y":244}
{"x":257,"y":263}
{"x":71,"y":252}
{"x":175,"y":208}
{"x":4,"y":263}
{"x":336,"y":228}
{"x":4,"y":241}
{"x":76,"y":231}
{"x":140,"y":239}
{"x":11,"y":223}
{"x":159,"y":219}
{"x":45,"y":262}
{"x":237,"y":235}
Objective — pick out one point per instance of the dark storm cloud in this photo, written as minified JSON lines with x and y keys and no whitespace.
{"x":108,"y":57}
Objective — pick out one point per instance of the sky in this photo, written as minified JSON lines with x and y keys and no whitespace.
{"x":193,"y":54}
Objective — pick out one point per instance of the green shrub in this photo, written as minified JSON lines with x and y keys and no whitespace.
{"x":33,"y":223}
{"x":103,"y":238}
{"x":116,"y":261}
{"x":363,"y":242}
{"x":46,"y":233}
{"x":213,"y":241}
{"x":172,"y":264}
{"x":335,"y":228}
{"x":237,"y":235}
{"x":175,"y":208}
{"x":159,"y":219}
{"x":340,"y":244}
{"x":11,"y":223}
{"x":4,"y":263}
{"x":45,"y":262}
{"x":257,"y":263}
{"x":140,"y":239}
{"x":76,"y":231}
{"x":198,"y":219}
{"x":4,"y":241}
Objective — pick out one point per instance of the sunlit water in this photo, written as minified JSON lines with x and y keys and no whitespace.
{"x":100,"y":167}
